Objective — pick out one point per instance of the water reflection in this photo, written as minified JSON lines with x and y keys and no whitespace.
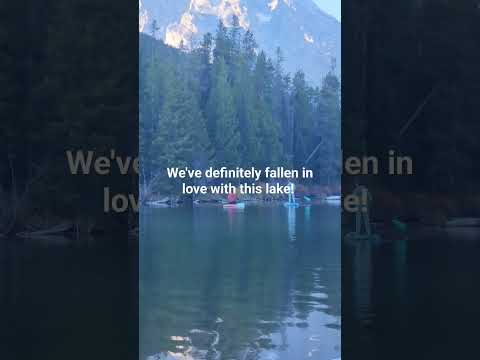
{"x":59,"y":293}
{"x":400,"y":248}
{"x":362,"y":278}
{"x":291,"y":211}
{"x":425,"y":284}
{"x":221,"y":285}
{"x":307,"y":212}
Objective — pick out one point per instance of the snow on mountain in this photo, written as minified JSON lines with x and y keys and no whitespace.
{"x":185,"y":31}
{"x":142,"y":16}
{"x":309,"y":38}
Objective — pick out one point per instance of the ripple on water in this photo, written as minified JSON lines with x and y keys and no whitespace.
{"x":239,"y":290}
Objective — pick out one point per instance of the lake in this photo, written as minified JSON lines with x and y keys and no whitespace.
{"x":66,"y":298}
{"x":262,"y":283}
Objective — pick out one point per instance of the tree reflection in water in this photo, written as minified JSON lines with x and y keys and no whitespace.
{"x":232,"y":285}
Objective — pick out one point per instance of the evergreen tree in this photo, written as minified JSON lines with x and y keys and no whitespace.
{"x":249,"y":111}
{"x":222,"y":125}
{"x":328,"y":129}
{"x":222,"y":44}
{"x":206,"y":52}
{"x":249,"y":46}
{"x":280,"y":102}
{"x":181,"y":139}
{"x":267,"y":135}
{"x":301,"y":118}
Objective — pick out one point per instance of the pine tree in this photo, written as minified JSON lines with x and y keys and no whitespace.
{"x":249,"y":111}
{"x":301,"y":118}
{"x":153,"y":97}
{"x":268,"y":131}
{"x":222,"y":125}
{"x":206,"y":51}
{"x":222,"y":44}
{"x":234,"y":38}
{"x":280,"y":102}
{"x":249,"y":46}
{"x":328,"y":127}
{"x":181,"y":139}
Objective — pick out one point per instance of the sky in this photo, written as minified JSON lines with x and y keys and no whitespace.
{"x":332,"y":7}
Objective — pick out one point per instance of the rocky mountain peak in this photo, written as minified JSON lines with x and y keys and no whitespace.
{"x":308,"y":37}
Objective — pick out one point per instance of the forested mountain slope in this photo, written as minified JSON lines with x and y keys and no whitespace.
{"x":223,"y":105}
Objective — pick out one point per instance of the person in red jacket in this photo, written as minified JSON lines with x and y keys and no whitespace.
{"x":232,"y":198}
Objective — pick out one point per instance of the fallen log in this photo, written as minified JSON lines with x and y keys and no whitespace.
{"x":60,"y":228}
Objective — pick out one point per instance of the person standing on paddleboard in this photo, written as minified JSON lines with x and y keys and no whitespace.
{"x":291,"y":194}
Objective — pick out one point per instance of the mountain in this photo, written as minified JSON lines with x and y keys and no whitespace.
{"x":309,"y":38}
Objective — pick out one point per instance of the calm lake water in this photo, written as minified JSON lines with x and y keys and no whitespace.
{"x":64,"y":298}
{"x":415,"y":296}
{"x":263,"y":283}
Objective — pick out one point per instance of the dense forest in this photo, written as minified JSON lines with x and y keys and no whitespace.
{"x":70,"y":83}
{"x":411,"y":84}
{"x":226,"y":103}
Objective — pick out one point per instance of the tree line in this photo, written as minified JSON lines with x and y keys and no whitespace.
{"x":226,"y":103}
{"x":70,"y":83}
